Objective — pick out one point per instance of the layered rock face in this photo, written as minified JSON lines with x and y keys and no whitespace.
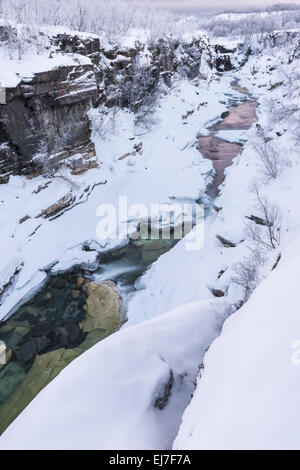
{"x":45,"y":119}
{"x":128,"y":77}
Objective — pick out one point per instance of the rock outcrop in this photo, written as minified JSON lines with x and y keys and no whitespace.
{"x":223,"y":58}
{"x":130,"y":76}
{"x":87,"y":45}
{"x":45,"y":121}
{"x":44,"y":369}
{"x":103,"y":306}
{"x":7,"y":32}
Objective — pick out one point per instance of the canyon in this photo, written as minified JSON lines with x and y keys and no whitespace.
{"x":112,"y":326}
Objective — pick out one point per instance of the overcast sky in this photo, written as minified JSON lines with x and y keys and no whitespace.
{"x":223,"y":4}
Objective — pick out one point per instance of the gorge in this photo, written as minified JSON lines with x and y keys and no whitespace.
{"x":120,"y":341}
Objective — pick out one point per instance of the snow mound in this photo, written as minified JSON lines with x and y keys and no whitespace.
{"x":248,"y":395}
{"x":102,"y":399}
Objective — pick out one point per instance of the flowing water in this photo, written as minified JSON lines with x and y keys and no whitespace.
{"x":239,"y":117}
{"x":45,"y":334}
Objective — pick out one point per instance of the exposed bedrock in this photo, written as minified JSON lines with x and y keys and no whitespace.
{"x":88,"y":46}
{"x":45,"y":119}
{"x":126,"y":80}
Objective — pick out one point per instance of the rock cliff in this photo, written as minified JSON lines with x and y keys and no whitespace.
{"x":46,"y":118}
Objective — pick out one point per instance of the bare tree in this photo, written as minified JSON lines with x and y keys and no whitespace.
{"x":252,"y":24}
{"x":248,"y":30}
{"x":281,"y":111}
{"x":80,"y":17}
{"x":273,"y":163}
{"x":19,"y":42}
{"x":265,"y":233}
{"x":50,"y":169}
{"x":111,"y":17}
{"x":2,"y":9}
{"x":20,"y":9}
{"x":246,"y":275}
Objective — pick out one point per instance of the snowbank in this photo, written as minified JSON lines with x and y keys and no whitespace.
{"x":12,"y":70}
{"x":248,"y":395}
{"x":127,"y":392}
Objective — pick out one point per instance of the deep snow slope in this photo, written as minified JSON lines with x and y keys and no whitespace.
{"x":248,"y":393}
{"x":127,"y":392}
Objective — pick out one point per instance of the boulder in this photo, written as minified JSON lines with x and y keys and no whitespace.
{"x":218,"y":293}
{"x":103,"y":307}
{"x":8,"y":356}
{"x":27,"y":351}
{"x":226,"y":243}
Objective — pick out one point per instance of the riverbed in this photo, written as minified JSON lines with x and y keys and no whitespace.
{"x":239,"y":117}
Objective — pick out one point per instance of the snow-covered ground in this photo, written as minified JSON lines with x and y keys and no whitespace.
{"x":246,"y":396}
{"x":128,"y":392}
{"x":248,"y":393}
{"x":31,"y":64}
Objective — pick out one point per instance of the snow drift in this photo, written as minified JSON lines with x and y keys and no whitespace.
{"x":248,"y":395}
{"x":103,"y":401}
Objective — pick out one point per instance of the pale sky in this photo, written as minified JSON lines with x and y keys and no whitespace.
{"x":223,"y":4}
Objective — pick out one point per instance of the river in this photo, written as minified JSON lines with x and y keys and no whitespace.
{"x":239,"y":117}
{"x":45,"y":333}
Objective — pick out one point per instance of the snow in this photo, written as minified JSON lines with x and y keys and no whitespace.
{"x":12,"y":71}
{"x":8,"y":273}
{"x":234,"y":16}
{"x":232,"y":135}
{"x":248,"y":394}
{"x":91,"y":405}
{"x":169,"y":169}
{"x":133,"y":35}
{"x":197,"y":272}
{"x":51,"y":30}
{"x":74,"y":256}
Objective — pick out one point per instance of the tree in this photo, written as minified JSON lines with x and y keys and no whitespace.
{"x":266,"y":234}
{"x":79,"y":20}
{"x":246,"y":275}
{"x":271,"y":159}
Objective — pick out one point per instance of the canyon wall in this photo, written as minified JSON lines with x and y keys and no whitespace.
{"x":44,"y":120}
